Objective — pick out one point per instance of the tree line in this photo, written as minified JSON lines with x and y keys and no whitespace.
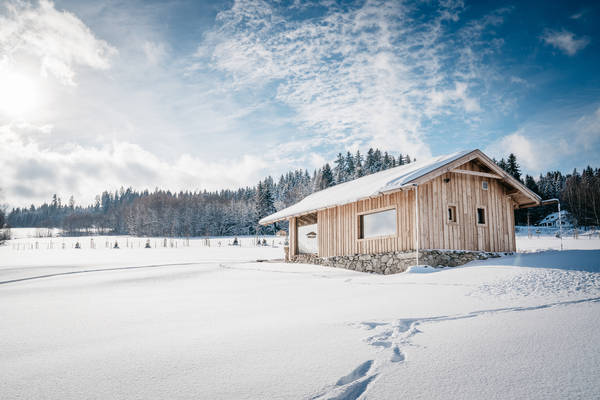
{"x":4,"y":231}
{"x":578,"y":192}
{"x":237,"y":212}
{"x":200,"y":213}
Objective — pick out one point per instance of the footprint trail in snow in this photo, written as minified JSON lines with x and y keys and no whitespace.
{"x":391,"y":337}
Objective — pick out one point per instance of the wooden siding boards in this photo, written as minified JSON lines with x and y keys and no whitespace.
{"x":338,"y":227}
{"x":293,"y":237}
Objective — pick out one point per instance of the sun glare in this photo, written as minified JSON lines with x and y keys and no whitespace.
{"x":18,"y":94}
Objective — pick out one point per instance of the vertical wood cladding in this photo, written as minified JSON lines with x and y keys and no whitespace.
{"x":338,"y":227}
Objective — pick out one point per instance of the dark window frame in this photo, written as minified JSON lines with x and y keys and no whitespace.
{"x":452,"y":213}
{"x":361,"y":216}
{"x":481,"y":215}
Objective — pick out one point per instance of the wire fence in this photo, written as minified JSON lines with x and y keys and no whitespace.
{"x":533,"y":232}
{"x":130,"y":242}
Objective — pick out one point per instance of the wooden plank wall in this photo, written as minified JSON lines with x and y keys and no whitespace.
{"x":293,"y":236}
{"x":338,"y":226}
{"x":465,"y":191}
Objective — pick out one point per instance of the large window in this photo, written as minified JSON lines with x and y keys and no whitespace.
{"x":381,"y":223}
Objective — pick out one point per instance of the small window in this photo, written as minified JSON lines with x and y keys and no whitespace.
{"x":377,"y":224}
{"x":481,"y":216}
{"x":484,"y":185}
{"x":452,"y":214}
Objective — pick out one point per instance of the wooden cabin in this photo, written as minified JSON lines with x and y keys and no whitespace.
{"x":462,"y":201}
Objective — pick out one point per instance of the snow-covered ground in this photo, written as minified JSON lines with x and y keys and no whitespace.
{"x":211,"y":322}
{"x":541,"y":238}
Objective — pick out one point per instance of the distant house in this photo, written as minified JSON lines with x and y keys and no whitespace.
{"x":281,"y":233}
{"x":462,"y":201}
{"x":552,"y":220}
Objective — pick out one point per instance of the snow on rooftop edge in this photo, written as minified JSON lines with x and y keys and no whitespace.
{"x":363,"y":187}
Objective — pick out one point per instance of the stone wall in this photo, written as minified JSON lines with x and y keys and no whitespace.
{"x":393,"y":263}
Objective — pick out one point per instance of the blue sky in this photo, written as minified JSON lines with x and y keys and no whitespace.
{"x":194,"y":95}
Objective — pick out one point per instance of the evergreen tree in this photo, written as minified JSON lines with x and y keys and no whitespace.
{"x":369,"y":166}
{"x":388,"y":162}
{"x":377,"y":162}
{"x":350,"y":169}
{"x":327,"y":177}
{"x":4,"y":232}
{"x":265,"y":206}
{"x":339,"y":171}
{"x":358,"y":165}
{"x":502,"y":164}
{"x":513,"y":168}
{"x":160,"y":212}
{"x":532,"y":215}
{"x":531,"y":184}
{"x":316,"y":180}
{"x":105,"y":201}
{"x":2,"y":213}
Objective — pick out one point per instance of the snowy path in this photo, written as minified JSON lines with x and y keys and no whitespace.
{"x":210,"y":323}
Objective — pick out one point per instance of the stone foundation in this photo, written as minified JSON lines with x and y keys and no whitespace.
{"x":395,"y":262}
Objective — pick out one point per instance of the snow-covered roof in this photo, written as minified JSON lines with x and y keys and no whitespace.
{"x":364,"y":187}
{"x":554,"y":216}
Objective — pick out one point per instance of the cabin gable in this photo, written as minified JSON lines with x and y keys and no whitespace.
{"x":469,"y":196}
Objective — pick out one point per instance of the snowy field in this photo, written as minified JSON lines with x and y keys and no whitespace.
{"x":208,"y":321}
{"x":541,"y":239}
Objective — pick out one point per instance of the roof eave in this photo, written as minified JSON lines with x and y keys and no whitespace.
{"x":491,"y":164}
{"x":448,"y":167}
{"x":537,"y":200}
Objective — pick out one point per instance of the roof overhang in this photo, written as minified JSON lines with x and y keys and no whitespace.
{"x":521,"y":195}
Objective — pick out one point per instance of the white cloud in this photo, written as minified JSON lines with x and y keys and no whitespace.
{"x":528,"y":154}
{"x":578,"y":15}
{"x":59,"y":40}
{"x":374,"y":74}
{"x":538,"y":146}
{"x":32,"y":171}
{"x":457,"y":95}
{"x":518,"y":80}
{"x":155,"y":52}
{"x":111,"y":129}
{"x":587,"y":130}
{"x":288,"y":91}
{"x":565,"y":41}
